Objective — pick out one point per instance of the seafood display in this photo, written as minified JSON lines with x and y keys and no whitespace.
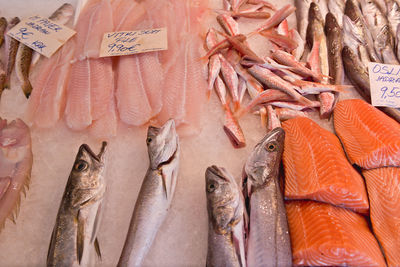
{"x":156,"y":193}
{"x":79,"y":216}
{"x":277,"y":93}
{"x":15,"y":166}
{"x":268,"y":241}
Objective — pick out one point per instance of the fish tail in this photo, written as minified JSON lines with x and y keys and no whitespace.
{"x":236,"y":105}
{"x":306,"y":101}
{"x":27,"y":88}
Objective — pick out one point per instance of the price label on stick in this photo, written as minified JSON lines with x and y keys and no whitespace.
{"x":384,"y":82}
{"x":41,"y":34}
{"x":133,"y":42}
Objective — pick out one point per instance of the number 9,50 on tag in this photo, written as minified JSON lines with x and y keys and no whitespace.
{"x":385,"y":84}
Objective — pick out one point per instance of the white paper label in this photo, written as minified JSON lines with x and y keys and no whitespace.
{"x":384,"y":82}
{"x":133,"y":42}
{"x":41,"y":34}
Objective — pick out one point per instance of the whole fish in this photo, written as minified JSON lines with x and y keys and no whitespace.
{"x":78,"y":219}
{"x":379,"y":27}
{"x":356,"y":72}
{"x":359,"y":76}
{"x":336,"y":7}
{"x":302,"y":7}
{"x":12,"y":48}
{"x":393,"y":15}
{"x":156,"y":193}
{"x":334,"y":38}
{"x":3,"y":27}
{"x":354,"y":13}
{"x":273,"y":122}
{"x":226,"y":219}
{"x":268,"y":242}
{"x":24,"y":54}
{"x":15,"y":165}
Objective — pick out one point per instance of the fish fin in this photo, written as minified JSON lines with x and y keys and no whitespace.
{"x":80,"y":237}
{"x":97,"y":248}
{"x":96,"y":223}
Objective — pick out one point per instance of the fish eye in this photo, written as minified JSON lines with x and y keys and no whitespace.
{"x":148,"y":140}
{"x":271,"y":146}
{"x":81,"y":166}
{"x":211,"y":187}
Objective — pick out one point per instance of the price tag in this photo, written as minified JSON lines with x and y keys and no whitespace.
{"x":41,"y":34}
{"x":385,"y":84}
{"x":133,"y":42}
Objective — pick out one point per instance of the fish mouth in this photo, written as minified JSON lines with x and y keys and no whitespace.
{"x":99,"y":157}
{"x":277,"y":133}
{"x":216,"y":171}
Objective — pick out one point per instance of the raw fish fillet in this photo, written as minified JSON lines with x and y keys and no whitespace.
{"x":94,"y":20}
{"x":370,"y":138}
{"x":316,"y":167}
{"x":127,"y":13}
{"x":133,"y":104}
{"x":47,"y":100}
{"x":106,"y":126}
{"x":15,"y":167}
{"x":78,"y":113}
{"x":325,"y":235}
{"x":383,"y":186}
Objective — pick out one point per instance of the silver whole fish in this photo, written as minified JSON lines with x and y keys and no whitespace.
{"x":156,"y":193}
{"x":336,"y":7}
{"x":354,"y":13}
{"x":226,"y":219}
{"x":393,"y":15}
{"x":302,"y":7}
{"x":269,"y":241}
{"x":75,"y":232}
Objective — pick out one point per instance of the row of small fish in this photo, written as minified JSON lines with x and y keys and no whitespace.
{"x":357,"y":32}
{"x":79,"y":216}
{"x":255,"y":233}
{"x":276,"y":84}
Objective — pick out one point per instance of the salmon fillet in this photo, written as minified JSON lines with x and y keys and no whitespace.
{"x":316,"y":167}
{"x":325,"y":235}
{"x":370,"y":138}
{"x":383,"y":186}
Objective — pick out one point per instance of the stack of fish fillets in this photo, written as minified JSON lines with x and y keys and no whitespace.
{"x":327,"y":199}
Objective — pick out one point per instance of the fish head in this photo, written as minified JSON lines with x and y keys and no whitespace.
{"x":162,"y":144}
{"x":263,"y":163}
{"x":224,"y":201}
{"x":315,"y":12}
{"x":86,"y":182}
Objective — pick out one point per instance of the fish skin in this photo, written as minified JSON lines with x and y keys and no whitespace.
{"x":268,"y":242}
{"x":233,"y":130}
{"x":226,"y":43}
{"x":253,"y":15}
{"x":325,"y":235}
{"x":79,"y":214}
{"x":231,"y":80}
{"x":22,"y":65}
{"x":272,"y":80}
{"x":298,"y":52}
{"x":302,"y":7}
{"x":226,"y":219}
{"x":229,"y":25}
{"x":336,"y":7}
{"x":334,"y":38}
{"x":16,"y":166}
{"x":276,"y":19}
{"x":281,"y":40}
{"x":356,"y":72}
{"x":214,"y":67}
{"x":393,"y":16}
{"x":316,"y":167}
{"x":273,"y":121}
{"x":3,"y":27}
{"x":12,"y":52}
{"x":384,"y":195}
{"x":156,"y":193}
{"x":2,"y":77}
{"x":355,"y":15}
{"x":288,"y":113}
{"x":370,"y":138}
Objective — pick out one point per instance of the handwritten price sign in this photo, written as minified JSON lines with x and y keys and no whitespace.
{"x":133,"y":42}
{"x":385,"y":84}
{"x":41,"y":34}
